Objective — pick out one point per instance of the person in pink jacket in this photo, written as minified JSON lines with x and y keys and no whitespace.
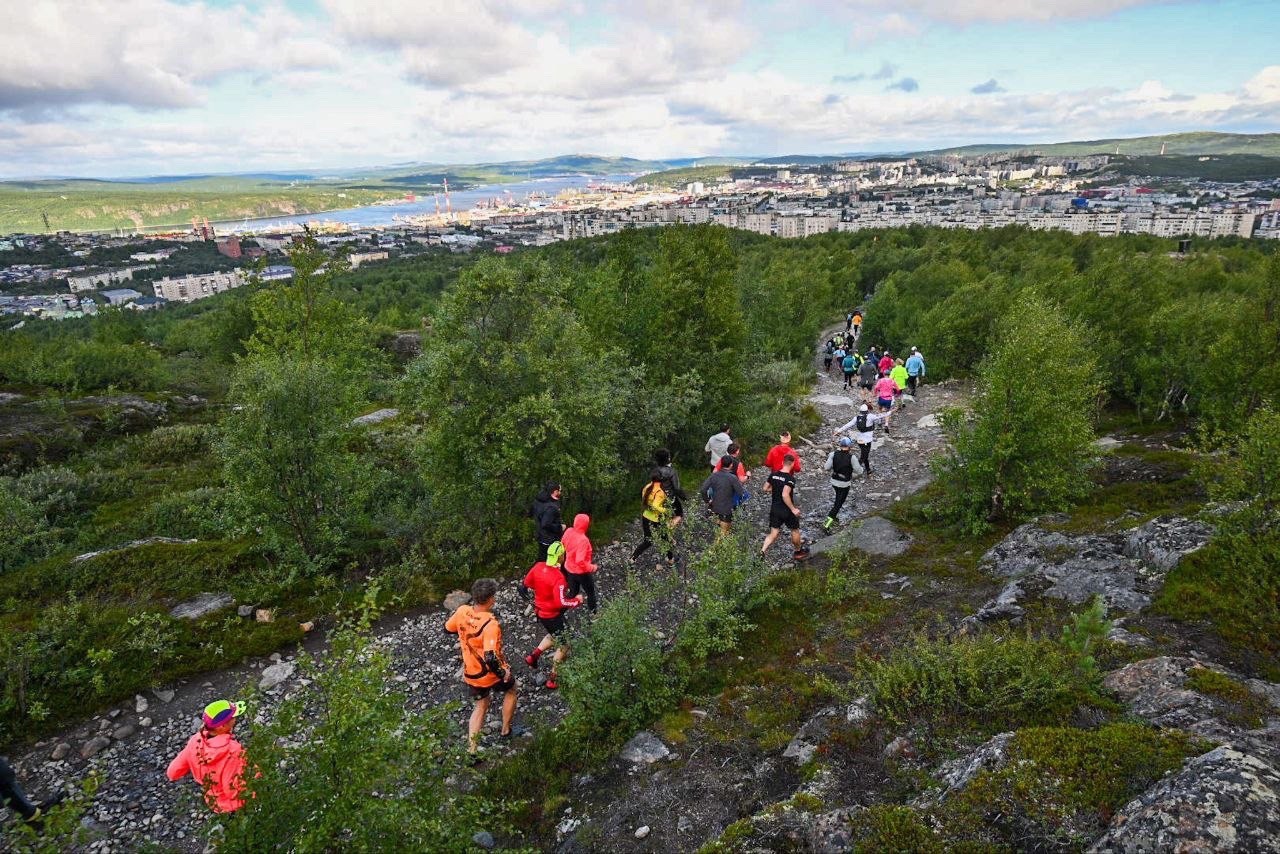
{"x":214,"y":758}
{"x":578,"y":568}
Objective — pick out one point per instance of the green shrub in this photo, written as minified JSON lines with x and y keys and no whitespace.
{"x":1234,"y":585}
{"x":988,"y":681}
{"x":1027,"y":447}
{"x":728,"y":579}
{"x":616,"y":676}
{"x":1083,"y":633}
{"x":888,"y":828}
{"x":174,"y":443}
{"x":1247,"y":708}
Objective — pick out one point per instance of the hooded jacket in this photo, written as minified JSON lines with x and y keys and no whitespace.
{"x":577,"y":548}
{"x":217,"y":764}
{"x":546,"y":515}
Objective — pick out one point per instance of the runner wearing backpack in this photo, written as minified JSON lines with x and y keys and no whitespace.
{"x":849,"y":364}
{"x":656,"y":512}
{"x":484,"y":667}
{"x":840,"y":464}
{"x":783,"y":511}
{"x":828,"y":351}
{"x":865,"y":424}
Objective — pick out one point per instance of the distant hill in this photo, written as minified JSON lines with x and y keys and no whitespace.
{"x":1222,"y":167}
{"x":1195,"y":143}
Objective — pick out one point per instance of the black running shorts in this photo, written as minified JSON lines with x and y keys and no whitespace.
{"x":783,"y":519}
{"x":553,"y":625}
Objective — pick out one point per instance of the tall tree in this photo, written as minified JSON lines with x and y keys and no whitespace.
{"x":1026,"y":448}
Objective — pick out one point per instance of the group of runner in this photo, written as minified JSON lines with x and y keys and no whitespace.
{"x":563,"y":577}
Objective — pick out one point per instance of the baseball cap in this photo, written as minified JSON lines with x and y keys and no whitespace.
{"x":555,"y":554}
{"x":863,"y":408}
{"x":844,"y":442}
{"x":219,"y":712}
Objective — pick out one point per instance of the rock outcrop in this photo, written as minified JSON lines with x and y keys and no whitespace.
{"x":1124,"y":569}
{"x":1161,"y":691}
{"x":1224,"y":800}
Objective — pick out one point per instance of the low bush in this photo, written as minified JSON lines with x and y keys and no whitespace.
{"x":1246,"y":708}
{"x":617,"y":676}
{"x":174,"y":443}
{"x":988,"y":681}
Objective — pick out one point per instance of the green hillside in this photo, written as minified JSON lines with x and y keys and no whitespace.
{"x":1226,"y":167}
{"x":85,"y":205}
{"x":1197,"y":142}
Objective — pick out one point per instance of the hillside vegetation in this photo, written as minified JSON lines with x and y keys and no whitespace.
{"x":108,"y":205}
{"x":151,"y":457}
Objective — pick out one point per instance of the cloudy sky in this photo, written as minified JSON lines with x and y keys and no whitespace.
{"x":131,"y":87}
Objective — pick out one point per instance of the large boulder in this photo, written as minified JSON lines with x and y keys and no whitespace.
{"x":1074,"y":568}
{"x":1224,"y":800}
{"x":202,"y":606}
{"x":874,"y":535}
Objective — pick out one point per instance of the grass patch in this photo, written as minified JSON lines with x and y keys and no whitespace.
{"x":1232,"y":585}
{"x":1246,"y":708}
{"x":987,"y":683}
{"x":1062,"y":785}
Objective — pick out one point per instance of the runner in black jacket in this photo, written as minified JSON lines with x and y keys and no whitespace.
{"x":546,"y":515}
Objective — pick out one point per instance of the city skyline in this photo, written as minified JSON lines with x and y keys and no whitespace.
{"x":164,"y":87}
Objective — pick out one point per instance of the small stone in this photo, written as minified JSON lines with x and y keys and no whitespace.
{"x":484,"y":839}
{"x":684,"y":825}
{"x":60,"y":752}
{"x":900,"y":748}
{"x":144,"y":722}
{"x":265,"y":615}
{"x":642,"y":831}
{"x":275,"y":674}
{"x":114,"y":713}
{"x":120,"y":733}
{"x":307,"y":626}
{"x":245,"y":611}
{"x":163,"y":695}
{"x":94,"y":746}
{"x":140,"y":704}
{"x":275,"y":657}
{"x":644,"y":748}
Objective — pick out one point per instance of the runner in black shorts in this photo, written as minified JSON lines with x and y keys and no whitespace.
{"x":549,"y":586}
{"x":783,"y":512}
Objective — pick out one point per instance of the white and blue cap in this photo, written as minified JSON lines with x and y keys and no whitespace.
{"x":845,"y":442}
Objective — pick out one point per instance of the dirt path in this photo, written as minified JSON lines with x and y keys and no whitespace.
{"x":136,"y":806}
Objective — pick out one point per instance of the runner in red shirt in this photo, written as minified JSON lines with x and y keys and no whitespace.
{"x":774,"y":458}
{"x":550,"y":601}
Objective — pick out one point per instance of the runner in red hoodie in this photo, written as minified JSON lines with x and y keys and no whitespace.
{"x":578,"y":567}
{"x":550,"y":601}
{"x":214,"y":758}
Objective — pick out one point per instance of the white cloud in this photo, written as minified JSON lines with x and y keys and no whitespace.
{"x":885,"y":19}
{"x":148,"y":53}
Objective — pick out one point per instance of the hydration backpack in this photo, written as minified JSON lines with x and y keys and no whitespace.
{"x":861,"y":423}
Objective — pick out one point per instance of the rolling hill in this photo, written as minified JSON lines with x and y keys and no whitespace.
{"x":1194,"y":143}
